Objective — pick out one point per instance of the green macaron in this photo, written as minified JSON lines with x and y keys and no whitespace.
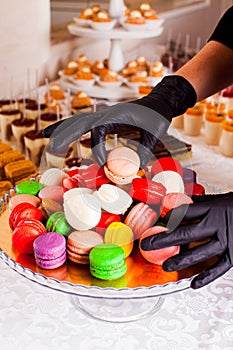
{"x":107,"y":262}
{"x":57,"y":223}
{"x":28,"y":187}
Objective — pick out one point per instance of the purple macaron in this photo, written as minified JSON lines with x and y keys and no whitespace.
{"x":50,"y":250}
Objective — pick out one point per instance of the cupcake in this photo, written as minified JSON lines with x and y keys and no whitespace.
{"x":55,"y":92}
{"x":157,"y":69}
{"x":81,"y":102}
{"x":101,"y":16}
{"x":130,"y":68}
{"x":139,"y":77}
{"x":150,"y":15}
{"x":135,"y":17}
{"x":83,"y":61}
{"x":144,"y":7}
{"x":86,"y":13}
{"x":84,"y":74}
{"x":109,"y":79}
{"x":71,"y":68}
{"x":142,"y":63}
{"x":97,"y":67}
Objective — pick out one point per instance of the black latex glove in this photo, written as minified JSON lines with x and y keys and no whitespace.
{"x":151,"y":115}
{"x":210,"y":217}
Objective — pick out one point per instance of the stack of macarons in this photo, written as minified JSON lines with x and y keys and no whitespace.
{"x":93,"y":215}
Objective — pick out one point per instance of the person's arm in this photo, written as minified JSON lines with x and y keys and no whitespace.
{"x":210,"y":70}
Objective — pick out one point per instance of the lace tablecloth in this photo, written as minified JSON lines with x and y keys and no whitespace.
{"x":33,"y":317}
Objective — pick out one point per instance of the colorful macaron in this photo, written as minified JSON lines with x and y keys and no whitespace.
{"x":82,"y":209}
{"x":171,"y":180}
{"x":173,"y":200}
{"x":93,"y":176}
{"x":53,"y":177}
{"x":49,"y":206}
{"x":80,"y":243}
{"x":140,"y":218}
{"x":147,"y":191}
{"x":113,"y":199}
{"x":122,"y":165}
{"x":105,"y":220}
{"x":107,"y":262}
{"x":28,"y":187}
{"x":157,"y":256}
{"x":24,"y":211}
{"x":50,"y":250}
{"x":25,"y":233}
{"x":120,"y":234}
{"x":58,"y":223}
{"x":54,"y":192}
{"x":166,"y":163}
{"x":23,"y":198}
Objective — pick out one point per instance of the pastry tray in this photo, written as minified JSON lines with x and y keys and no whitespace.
{"x":142,"y":279}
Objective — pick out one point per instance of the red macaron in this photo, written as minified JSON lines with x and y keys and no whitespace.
{"x":25,"y":233}
{"x":147,"y":191}
{"x":166,"y":163}
{"x":24,"y":211}
{"x":105,"y":220}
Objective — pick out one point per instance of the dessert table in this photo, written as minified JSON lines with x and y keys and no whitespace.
{"x":35,"y":317}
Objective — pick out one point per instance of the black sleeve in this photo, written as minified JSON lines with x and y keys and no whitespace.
{"x":223,"y":32}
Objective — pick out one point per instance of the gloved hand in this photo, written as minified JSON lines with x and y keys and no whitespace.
{"x":209,"y":217}
{"x":151,"y":114}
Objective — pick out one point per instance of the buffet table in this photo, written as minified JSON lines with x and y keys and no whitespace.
{"x":34,"y":316}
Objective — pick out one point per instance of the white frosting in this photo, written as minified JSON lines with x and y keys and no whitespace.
{"x":157,"y":67}
{"x":88,"y":12}
{"x":135,"y":14}
{"x":145,"y":6}
{"x":81,"y":94}
{"x":102,"y":15}
{"x":72,"y":64}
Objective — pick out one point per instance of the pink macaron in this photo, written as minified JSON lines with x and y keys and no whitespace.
{"x":52,"y":192}
{"x":157,"y":256}
{"x":140,"y":218}
{"x":122,"y":165}
{"x":80,"y":243}
{"x":173,"y":200}
{"x":50,"y":250}
{"x":23,"y":198}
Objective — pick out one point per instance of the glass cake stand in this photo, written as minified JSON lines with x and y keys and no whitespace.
{"x":136,"y":295}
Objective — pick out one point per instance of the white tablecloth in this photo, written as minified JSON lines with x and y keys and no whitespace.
{"x":33,"y":317}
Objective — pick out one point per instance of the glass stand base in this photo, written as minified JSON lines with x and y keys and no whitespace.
{"x":118,"y":310}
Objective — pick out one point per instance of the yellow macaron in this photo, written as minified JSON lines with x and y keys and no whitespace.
{"x":121,"y":235}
